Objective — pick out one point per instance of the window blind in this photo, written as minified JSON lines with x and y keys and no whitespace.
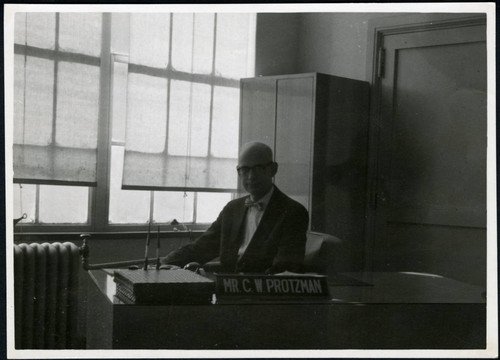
{"x":183,"y":100}
{"x":56,"y":95}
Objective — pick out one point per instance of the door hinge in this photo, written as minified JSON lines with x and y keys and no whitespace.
{"x":381,"y":62}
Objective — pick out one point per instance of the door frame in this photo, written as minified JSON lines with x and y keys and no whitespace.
{"x":378,"y":28}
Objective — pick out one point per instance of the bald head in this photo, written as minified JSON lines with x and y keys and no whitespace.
{"x":256,"y":168}
{"x":256,"y":151}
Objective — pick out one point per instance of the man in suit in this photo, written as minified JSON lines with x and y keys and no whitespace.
{"x":262,"y":232}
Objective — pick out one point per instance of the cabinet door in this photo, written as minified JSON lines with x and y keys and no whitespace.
{"x":293,"y":149}
{"x":258,"y":107}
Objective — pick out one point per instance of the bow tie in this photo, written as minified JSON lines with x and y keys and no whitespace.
{"x":257,"y":204}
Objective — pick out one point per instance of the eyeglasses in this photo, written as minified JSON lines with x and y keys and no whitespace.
{"x":257,"y":169}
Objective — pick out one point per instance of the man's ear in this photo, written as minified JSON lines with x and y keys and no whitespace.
{"x":274,"y":168}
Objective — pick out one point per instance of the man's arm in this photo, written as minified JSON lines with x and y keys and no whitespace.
{"x":203,"y":249}
{"x":290,"y":255}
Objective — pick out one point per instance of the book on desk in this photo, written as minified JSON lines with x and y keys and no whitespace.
{"x":161,"y":287}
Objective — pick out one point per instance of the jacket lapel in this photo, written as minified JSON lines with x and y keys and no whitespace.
{"x":233,"y":237}
{"x":238,"y":217}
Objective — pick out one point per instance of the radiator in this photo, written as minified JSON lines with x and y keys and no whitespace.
{"x":46,"y":295}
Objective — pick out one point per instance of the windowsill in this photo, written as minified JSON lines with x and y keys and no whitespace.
{"x":122,"y":235}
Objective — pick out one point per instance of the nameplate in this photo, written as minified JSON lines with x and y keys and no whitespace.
{"x":271,"y":285}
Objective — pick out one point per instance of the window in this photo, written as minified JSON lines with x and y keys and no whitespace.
{"x":155,"y":79}
{"x":56,"y":102}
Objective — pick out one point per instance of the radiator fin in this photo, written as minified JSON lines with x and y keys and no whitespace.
{"x":51,"y":306}
{"x":18,"y":294}
{"x":39,"y":296}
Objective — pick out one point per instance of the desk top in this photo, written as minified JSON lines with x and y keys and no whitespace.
{"x":367,"y":288}
{"x":406,"y":287}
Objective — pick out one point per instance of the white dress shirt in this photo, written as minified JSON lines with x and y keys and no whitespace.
{"x":252,"y":220}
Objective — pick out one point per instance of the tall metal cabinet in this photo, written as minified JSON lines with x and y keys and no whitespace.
{"x":317,"y":125}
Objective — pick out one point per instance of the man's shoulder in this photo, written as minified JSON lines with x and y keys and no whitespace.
{"x":287,"y":201}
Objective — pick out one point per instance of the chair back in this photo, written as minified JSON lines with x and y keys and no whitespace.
{"x":320,"y":252}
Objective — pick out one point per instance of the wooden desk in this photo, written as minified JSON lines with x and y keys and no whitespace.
{"x":397,"y":311}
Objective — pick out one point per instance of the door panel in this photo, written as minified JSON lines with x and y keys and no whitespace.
{"x":432,"y":159}
{"x":258,"y":107}
{"x":439,"y":136}
{"x":294,"y":114}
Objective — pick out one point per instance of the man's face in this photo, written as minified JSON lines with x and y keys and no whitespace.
{"x":256,"y":172}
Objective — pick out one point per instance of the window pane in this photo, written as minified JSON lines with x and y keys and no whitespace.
{"x":149,"y":39}
{"x":63,"y":204}
{"x":146,"y":113}
{"x":225,"y":123}
{"x":40,"y":27}
{"x":120,"y":30}
{"x":77,"y":105}
{"x":20,"y":28}
{"x":189,"y":119}
{"x":169,"y":205}
{"x":19,"y":99}
{"x":192,"y":42}
{"x":125,"y":206}
{"x":232,"y":45}
{"x":182,"y":42}
{"x":203,"y":46}
{"x":33,"y":121}
{"x":80,"y":33}
{"x":24,"y":202}
{"x":119,"y":101}
{"x":209,"y":205}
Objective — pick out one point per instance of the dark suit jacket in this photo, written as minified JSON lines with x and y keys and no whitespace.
{"x":277,"y":245}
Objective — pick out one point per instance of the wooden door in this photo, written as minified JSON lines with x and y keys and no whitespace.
{"x":430,"y":211}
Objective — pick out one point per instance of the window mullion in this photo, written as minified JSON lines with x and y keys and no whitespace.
{"x":212,"y":90}
{"x":54,"y":95}
{"x":100,"y":207}
{"x":151,"y":206}
{"x":37,"y":204}
{"x":195,"y":206}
